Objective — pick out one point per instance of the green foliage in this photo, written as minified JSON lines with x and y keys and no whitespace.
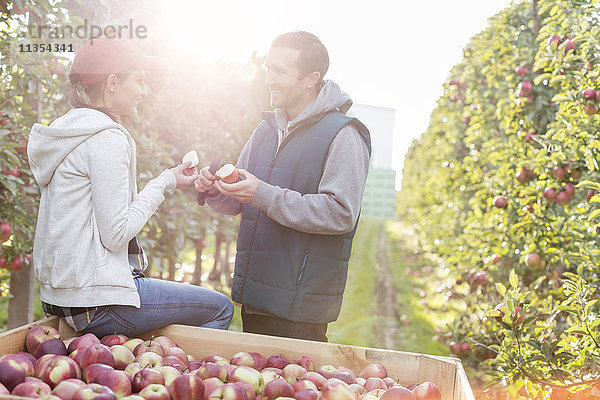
{"x":511,"y":124}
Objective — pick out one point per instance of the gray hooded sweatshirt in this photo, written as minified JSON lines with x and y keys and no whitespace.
{"x":335,"y":208}
{"x":85,"y":165}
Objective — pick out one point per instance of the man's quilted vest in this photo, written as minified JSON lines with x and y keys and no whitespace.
{"x":282,"y":271}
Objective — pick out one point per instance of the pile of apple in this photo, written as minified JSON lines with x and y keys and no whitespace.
{"x":116,"y":367}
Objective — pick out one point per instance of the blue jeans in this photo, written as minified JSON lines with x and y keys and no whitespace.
{"x":163,"y":303}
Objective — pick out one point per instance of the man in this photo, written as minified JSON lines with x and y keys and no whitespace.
{"x":305,"y":168}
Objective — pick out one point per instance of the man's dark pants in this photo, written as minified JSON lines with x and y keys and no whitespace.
{"x":275,"y":326}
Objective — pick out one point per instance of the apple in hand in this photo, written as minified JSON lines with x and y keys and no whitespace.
{"x":228,"y":173}
{"x":94,"y":391}
{"x":39,"y":334}
{"x":187,"y":387}
{"x":67,"y":388}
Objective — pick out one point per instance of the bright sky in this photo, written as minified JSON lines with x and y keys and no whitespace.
{"x":382,"y":52}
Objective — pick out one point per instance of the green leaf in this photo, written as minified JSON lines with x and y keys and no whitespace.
{"x":594,"y":214}
{"x":589,"y":185}
{"x":514,"y":282}
{"x":501,"y":289}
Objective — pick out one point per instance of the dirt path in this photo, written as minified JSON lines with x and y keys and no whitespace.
{"x":385,"y":304}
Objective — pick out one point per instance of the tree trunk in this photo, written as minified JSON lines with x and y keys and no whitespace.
{"x":198,"y":268}
{"x":171,"y":262}
{"x":536,"y":19}
{"x":215,"y":273}
{"x":22,"y":288}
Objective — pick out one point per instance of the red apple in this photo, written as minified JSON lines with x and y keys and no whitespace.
{"x":179,"y":353}
{"x":3,"y":390}
{"x":522,"y":71}
{"x":33,"y":388}
{"x":94,"y":391}
{"x":345,"y":377}
{"x":374,"y":370}
{"x":132,"y":343}
{"x":529,"y":136}
{"x":134,"y":367}
{"x":39,"y":334}
{"x":260,"y":361}
{"x":165,"y":342}
{"x":270,"y":374}
{"x":145,"y":377}
{"x":242,"y":358}
{"x":525,"y":88}
{"x":50,"y":346}
{"x":277,"y":362}
{"x":150,"y":359}
{"x":169,"y":373}
{"x":550,"y":194}
{"x":554,"y":41}
{"x":293,"y":372}
{"x":374,"y":394}
{"x":147,"y":346}
{"x":562,"y":199}
{"x":26,"y":360}
{"x":335,"y":389}
{"x":117,"y":381}
{"x":3,"y":122}
{"x":315,"y":378}
{"x":571,"y":45}
{"x":303,"y":385}
{"x":228,"y":173}
{"x":307,"y":394}
{"x":250,"y":393}
{"x":390,"y":382}
{"x":112,"y":340}
{"x":187,"y":387}
{"x":250,"y":375}
{"x":11,"y":373}
{"x":215,"y":359}
{"x":328,"y":371}
{"x":210,"y":370}
{"x":375,"y":383}
{"x":122,"y":355}
{"x":4,"y":231}
{"x":96,"y":353}
{"x":210,"y":385}
{"x":306,"y":363}
{"x":82,"y":341}
{"x":277,"y":388}
{"x":500,"y":202}
{"x":398,"y":393}
{"x":58,"y":368}
{"x":589,"y":94}
{"x":67,"y":388}
{"x":171,"y":361}
{"x":427,"y":391}
{"x":92,"y":371}
{"x":589,"y":195}
{"x":570,"y":189}
{"x":155,"y":392}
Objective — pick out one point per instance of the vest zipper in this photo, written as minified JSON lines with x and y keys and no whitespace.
{"x":303,"y":266}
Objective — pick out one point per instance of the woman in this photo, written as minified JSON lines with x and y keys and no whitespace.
{"x":85,"y":254}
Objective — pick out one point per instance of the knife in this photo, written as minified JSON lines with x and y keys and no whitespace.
{"x":214,"y":165}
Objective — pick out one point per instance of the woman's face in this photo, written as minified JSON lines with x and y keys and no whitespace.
{"x":130,"y":91}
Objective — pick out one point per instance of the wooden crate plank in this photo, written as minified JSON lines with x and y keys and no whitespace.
{"x":463,"y":389}
{"x":13,"y":341}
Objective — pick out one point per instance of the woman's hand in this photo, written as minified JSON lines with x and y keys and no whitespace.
{"x":184,"y":175}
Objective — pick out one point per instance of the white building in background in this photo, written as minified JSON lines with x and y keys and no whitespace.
{"x":379,"y":200}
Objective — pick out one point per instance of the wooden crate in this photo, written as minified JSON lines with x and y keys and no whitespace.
{"x":407,"y":368}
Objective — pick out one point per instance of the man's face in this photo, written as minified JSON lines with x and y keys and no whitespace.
{"x":287,"y":87}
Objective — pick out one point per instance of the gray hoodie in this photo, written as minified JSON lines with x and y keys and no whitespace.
{"x":335,"y":208}
{"x":89,"y":209}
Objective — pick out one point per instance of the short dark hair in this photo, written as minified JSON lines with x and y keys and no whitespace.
{"x":313,"y":54}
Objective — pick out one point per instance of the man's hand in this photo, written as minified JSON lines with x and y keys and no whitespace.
{"x":242,"y":191}
{"x":205,"y":182}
